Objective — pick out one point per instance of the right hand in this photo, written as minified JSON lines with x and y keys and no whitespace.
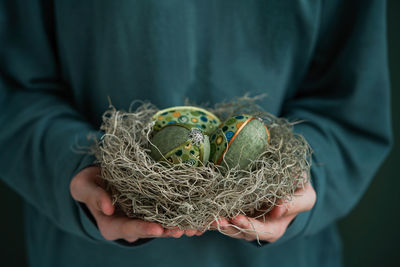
{"x":88,"y":188}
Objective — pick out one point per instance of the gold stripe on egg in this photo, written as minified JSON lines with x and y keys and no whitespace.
{"x":237,"y":132}
{"x":233,"y":138}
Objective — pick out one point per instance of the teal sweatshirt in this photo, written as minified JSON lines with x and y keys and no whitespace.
{"x":324,"y":62}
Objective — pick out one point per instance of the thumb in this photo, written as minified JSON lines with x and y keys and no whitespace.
{"x":85,"y":187}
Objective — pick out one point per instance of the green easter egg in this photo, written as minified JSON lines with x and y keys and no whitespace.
{"x":180,"y":143}
{"x":192,"y":116}
{"x":238,"y":141}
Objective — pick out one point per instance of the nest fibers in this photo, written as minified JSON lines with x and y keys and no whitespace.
{"x":194,"y":197}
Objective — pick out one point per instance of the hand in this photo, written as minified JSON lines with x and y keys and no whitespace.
{"x":88,"y":188}
{"x":276,"y":221}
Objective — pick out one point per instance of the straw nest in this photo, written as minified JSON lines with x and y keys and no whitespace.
{"x":194,"y":197}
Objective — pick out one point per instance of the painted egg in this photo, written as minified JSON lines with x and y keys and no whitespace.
{"x":188,"y":115}
{"x":180,"y":144}
{"x":238,"y":141}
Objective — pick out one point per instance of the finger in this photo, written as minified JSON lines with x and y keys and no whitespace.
{"x":104,"y":201}
{"x":303,"y":200}
{"x":121,"y":227}
{"x":251,"y":226}
{"x":86,"y":188}
{"x":190,"y":232}
{"x":131,"y":240}
{"x":270,"y":230}
{"x":174,"y":232}
{"x":97,"y":198}
{"x":278,"y":228}
{"x":104,"y":198}
{"x":141,"y":229}
{"x":79,"y":184}
{"x":109,"y":226}
{"x":227,"y":228}
{"x":178,"y":233}
{"x":278,"y":211}
{"x":199,"y":233}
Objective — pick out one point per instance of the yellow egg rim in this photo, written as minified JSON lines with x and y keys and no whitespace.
{"x":191,"y":108}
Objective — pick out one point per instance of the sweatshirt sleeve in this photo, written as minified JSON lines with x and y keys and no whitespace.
{"x":344,"y":102}
{"x":40,"y":126}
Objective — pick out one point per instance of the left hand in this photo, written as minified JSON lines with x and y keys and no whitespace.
{"x":276,"y":221}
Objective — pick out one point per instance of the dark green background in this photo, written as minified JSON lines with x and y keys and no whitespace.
{"x":370,"y":233}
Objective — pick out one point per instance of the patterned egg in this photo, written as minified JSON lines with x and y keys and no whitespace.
{"x":238,"y":141}
{"x":180,"y":143}
{"x":188,"y":115}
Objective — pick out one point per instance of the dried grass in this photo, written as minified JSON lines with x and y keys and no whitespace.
{"x":192,"y":198}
